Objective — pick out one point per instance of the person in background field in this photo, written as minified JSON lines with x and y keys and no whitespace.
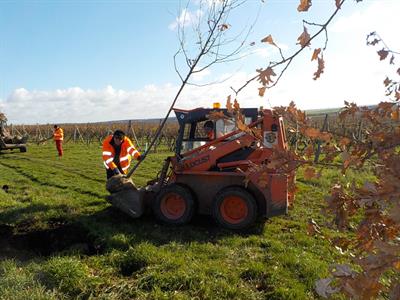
{"x":118,"y":151}
{"x":58,"y":137}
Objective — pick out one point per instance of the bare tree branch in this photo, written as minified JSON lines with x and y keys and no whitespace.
{"x":215,"y":50}
{"x":287,"y":61}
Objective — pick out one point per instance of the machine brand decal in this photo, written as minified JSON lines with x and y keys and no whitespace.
{"x":197,"y":162}
{"x":270,"y":139}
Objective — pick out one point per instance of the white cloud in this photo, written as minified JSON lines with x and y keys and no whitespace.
{"x":209,"y":3}
{"x":152,"y":101}
{"x":186,"y":18}
{"x":197,"y":77}
{"x":79,"y":105}
{"x":189,"y":18}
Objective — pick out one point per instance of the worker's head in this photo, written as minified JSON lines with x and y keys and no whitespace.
{"x":118,"y":137}
{"x":55,"y":126}
{"x":208,"y":126}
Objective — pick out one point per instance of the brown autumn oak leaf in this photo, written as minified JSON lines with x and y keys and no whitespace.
{"x":304,"y":39}
{"x":387,"y":81}
{"x":229,"y":104}
{"x":342,"y":270}
{"x":382,"y":54}
{"x":216,"y":115}
{"x":263,"y":180}
{"x":223,"y":27}
{"x":312,"y":132}
{"x":309,"y":173}
{"x":236,"y":105}
{"x":395,"y":213}
{"x":325,"y":136}
{"x":321,"y":67}
{"x":241,"y":126}
{"x":346,"y":157}
{"x":362,"y":287}
{"x":390,"y":252}
{"x":316,"y":54}
{"x":395,"y":292}
{"x":369,"y":187}
{"x":268,"y":39}
{"x":265,"y":76}
{"x":309,"y":151}
{"x":385,"y":106}
{"x":304,"y":5}
{"x":344,"y":141}
{"x":261,"y":91}
{"x":395,"y":115}
{"x":324,"y":289}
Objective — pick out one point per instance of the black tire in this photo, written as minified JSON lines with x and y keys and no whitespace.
{"x":174,"y":205}
{"x":22,"y":149}
{"x":235,"y":208}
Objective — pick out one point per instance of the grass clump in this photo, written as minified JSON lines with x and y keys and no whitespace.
{"x":67,"y":274}
{"x":137,"y":258}
{"x":19,"y":283}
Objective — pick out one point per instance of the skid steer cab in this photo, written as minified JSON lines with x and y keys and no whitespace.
{"x":214,"y":171}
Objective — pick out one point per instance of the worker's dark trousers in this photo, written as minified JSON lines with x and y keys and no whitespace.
{"x":59,"y":148}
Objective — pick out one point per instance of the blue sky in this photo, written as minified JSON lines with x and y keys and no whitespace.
{"x":59,"y":44}
{"x":84,"y":61}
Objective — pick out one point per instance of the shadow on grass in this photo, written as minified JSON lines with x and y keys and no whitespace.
{"x":23,"y":236}
{"x":60,"y":238}
{"x":110,"y":222}
{"x":97,"y":232}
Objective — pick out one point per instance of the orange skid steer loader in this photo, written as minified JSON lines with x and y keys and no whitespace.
{"x":214,"y":173}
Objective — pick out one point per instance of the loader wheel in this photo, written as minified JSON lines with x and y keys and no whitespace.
{"x":235,"y":208}
{"x":174,"y":205}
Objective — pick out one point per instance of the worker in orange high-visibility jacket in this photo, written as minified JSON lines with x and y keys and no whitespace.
{"x":118,"y":150}
{"x":58,"y":137}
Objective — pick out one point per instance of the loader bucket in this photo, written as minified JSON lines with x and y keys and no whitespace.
{"x":125,"y":196}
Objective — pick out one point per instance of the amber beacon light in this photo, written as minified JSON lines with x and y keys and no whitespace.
{"x":216,"y":105}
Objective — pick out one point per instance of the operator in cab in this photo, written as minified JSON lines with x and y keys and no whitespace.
{"x":118,"y":151}
{"x":209,"y":129}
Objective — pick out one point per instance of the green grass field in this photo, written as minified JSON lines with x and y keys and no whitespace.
{"x":59,"y":239}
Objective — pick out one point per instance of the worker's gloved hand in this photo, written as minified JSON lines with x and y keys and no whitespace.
{"x":116,"y":171}
{"x":139,"y":158}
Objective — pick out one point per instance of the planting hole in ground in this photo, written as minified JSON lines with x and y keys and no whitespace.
{"x":46,"y":242}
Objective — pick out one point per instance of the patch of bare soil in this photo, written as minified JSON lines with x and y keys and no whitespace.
{"x":60,"y":238}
